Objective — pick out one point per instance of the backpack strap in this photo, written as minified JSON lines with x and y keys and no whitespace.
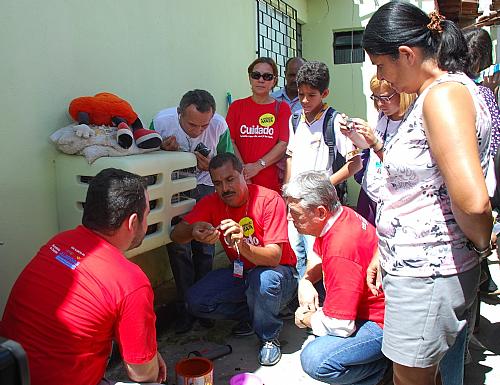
{"x":338,"y":160}
{"x":329,"y":136}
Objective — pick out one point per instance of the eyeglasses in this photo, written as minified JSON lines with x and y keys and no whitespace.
{"x":256,"y":75}
{"x":382,"y":99}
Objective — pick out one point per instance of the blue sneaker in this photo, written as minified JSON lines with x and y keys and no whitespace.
{"x":270,"y":352}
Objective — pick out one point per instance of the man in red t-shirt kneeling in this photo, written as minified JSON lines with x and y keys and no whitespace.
{"x":80,"y":292}
{"x":348,"y":326}
{"x":251,"y":223}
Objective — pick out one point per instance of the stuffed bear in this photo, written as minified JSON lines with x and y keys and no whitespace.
{"x":108,"y":109}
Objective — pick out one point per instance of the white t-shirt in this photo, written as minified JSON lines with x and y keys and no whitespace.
{"x":308,"y":149}
{"x":166,"y":123}
{"x":374,"y":179}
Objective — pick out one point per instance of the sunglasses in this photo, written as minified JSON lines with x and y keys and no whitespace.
{"x":257,"y":75}
{"x":383,"y":99}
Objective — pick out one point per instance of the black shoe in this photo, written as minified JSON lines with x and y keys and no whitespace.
{"x":270,"y":353}
{"x":183,"y":323}
{"x":242,"y":329}
{"x":206,"y":323}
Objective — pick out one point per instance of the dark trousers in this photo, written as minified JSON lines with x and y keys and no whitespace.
{"x":191,"y":261}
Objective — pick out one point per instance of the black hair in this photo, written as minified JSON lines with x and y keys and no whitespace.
{"x":480,"y":49}
{"x":399,"y":23}
{"x":314,"y":74}
{"x":202,"y":100}
{"x":220,"y":160}
{"x":294,"y":58}
{"x":113,"y":195}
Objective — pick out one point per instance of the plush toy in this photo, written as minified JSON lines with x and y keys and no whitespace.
{"x":110,"y":110}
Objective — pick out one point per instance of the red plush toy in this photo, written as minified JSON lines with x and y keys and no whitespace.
{"x":110,"y":110}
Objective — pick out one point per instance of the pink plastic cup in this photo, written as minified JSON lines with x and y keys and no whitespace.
{"x":246,"y":379}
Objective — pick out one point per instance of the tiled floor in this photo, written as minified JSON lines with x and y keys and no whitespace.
{"x":485,"y":368}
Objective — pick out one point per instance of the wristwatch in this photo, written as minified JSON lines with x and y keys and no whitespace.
{"x":262,"y":162}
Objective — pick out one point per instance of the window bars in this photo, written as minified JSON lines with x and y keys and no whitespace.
{"x":278,"y":33}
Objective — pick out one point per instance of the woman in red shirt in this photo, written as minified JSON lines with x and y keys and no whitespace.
{"x":259,"y":126}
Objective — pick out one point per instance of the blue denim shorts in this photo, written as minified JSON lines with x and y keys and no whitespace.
{"x":424,"y":315}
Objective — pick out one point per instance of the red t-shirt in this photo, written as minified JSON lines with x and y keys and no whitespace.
{"x":256,"y":129}
{"x":267,"y":212}
{"x":76,"y":295}
{"x":346,"y":251}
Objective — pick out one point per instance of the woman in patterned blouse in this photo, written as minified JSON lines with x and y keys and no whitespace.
{"x":434,"y":219}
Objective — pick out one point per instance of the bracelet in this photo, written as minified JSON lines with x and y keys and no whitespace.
{"x":374,"y":144}
{"x":481,"y":253}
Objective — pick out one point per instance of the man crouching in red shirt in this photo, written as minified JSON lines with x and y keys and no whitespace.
{"x":251,"y":223}
{"x":347,"y":349}
{"x":80,"y":292}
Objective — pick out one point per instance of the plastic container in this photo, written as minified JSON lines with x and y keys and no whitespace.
{"x":246,"y":379}
{"x":194,"y":371}
{"x":165,"y":185}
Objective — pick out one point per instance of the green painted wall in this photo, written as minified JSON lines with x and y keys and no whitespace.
{"x":149,"y":52}
{"x":349,"y":83}
{"x":349,"y":88}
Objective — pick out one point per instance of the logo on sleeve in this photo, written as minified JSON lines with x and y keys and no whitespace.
{"x":70,"y":257}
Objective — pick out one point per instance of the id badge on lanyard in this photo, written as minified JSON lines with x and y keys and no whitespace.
{"x":238,"y":264}
{"x":238,"y":268}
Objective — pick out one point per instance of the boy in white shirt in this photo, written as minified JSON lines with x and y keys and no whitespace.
{"x":316,"y":143}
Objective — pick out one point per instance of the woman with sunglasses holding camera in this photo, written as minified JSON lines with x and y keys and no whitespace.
{"x":391,"y":106}
{"x":259,"y":126}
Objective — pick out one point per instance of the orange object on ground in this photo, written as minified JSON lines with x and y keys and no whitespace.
{"x":195,"y":370}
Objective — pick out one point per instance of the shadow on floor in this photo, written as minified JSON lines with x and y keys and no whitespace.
{"x":484,"y":344}
{"x":243,"y":358}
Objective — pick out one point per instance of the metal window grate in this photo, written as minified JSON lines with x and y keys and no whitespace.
{"x":277,"y":33}
{"x":347,"y":47}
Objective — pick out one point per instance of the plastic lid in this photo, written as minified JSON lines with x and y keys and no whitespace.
{"x":246,"y":379}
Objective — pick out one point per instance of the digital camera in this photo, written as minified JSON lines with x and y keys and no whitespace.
{"x":202,"y":149}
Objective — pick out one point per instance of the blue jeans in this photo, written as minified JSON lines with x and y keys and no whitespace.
{"x":190,"y":261}
{"x":257,"y":297}
{"x":357,"y":359}
{"x":302,"y":245}
{"x":451,"y":366}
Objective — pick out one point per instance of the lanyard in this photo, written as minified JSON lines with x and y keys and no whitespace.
{"x":386,"y":127}
{"x":235,"y":245}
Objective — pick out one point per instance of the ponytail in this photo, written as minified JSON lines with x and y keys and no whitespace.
{"x":452,"y":54}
